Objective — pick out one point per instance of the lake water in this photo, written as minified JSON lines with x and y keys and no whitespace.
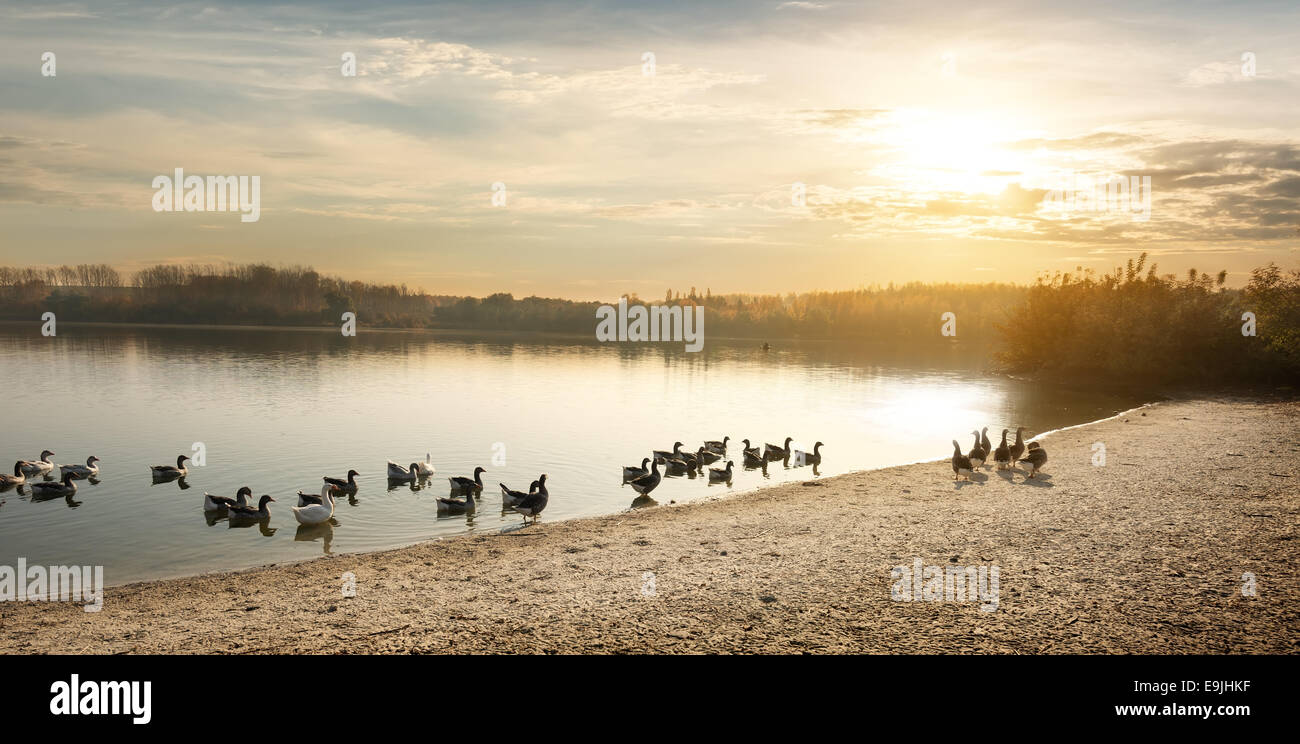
{"x":277,"y":409}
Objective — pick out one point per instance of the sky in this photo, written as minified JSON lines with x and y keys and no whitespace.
{"x":736,"y":146}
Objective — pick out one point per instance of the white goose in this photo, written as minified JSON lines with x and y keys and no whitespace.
{"x":398,"y":473}
{"x":426,"y":468}
{"x":41,"y":466}
{"x":316,"y":513}
{"x":82,"y":471}
{"x":18,"y":478}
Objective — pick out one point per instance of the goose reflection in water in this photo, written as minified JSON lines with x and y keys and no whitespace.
{"x":179,"y":480}
{"x":313,"y":532}
{"x":642,"y":502}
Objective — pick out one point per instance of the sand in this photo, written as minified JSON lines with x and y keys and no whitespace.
{"x":1145,"y":554}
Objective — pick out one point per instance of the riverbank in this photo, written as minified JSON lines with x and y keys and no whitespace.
{"x":1145,"y":554}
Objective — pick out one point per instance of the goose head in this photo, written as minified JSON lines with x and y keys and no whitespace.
{"x":956,"y":448}
{"x":415,"y":467}
{"x":180,"y":462}
{"x":18,"y":467}
{"x":725,"y":440}
{"x":1004,"y":434}
{"x":677,"y":446}
{"x":479,"y":470}
{"x":244,"y":491}
{"x":817,"y":446}
{"x":644,"y":460}
{"x":747,"y":444}
{"x":532,"y":486}
{"x":730,"y":464}
{"x":352,"y":474}
{"x":90,"y":461}
{"x":46,"y":454}
{"x":262,"y":502}
{"x":787,"y":442}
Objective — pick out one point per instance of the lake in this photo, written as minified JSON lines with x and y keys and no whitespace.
{"x":276,"y":409}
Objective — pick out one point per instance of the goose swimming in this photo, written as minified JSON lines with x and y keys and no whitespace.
{"x":65,"y":487}
{"x":753,"y":457}
{"x":647,"y":483}
{"x":1018,"y":448}
{"x":773,"y":452}
{"x":661,"y":455}
{"x":398,"y":473}
{"x":748,"y":449}
{"x":714,"y":445}
{"x":307,"y":499}
{"x":631,"y":471}
{"x":977,"y":453}
{"x":310,"y":514}
{"x":457,"y":506}
{"x":1036,"y":459}
{"x":38,"y":467}
{"x":82,"y":471}
{"x":721,"y":474}
{"x":707,"y":457}
{"x":808,"y":458}
{"x":349,"y":485}
{"x":18,"y":478}
{"x":535,"y":502}
{"x":510,"y":498}
{"x":217,"y":503}
{"x":463,"y":484}
{"x":162,"y":471}
{"x":1002,"y":455}
{"x":247,"y":512}
{"x":426,"y":467}
{"x":960,"y":463}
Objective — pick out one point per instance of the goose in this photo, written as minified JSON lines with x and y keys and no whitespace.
{"x":426,"y":467}
{"x":960,"y":463}
{"x":217,"y":503}
{"x":809,"y":458}
{"x":977,"y":453}
{"x":1002,"y":455}
{"x":647,"y":483}
{"x":349,"y":485}
{"x":1036,"y":459}
{"x":631,"y":472}
{"x":82,"y":471}
{"x":163,"y":471}
{"x":37,"y":467}
{"x":707,"y":457}
{"x":535,"y":502}
{"x":18,"y":478}
{"x":456,"y":506}
{"x":750,"y":450}
{"x":1018,"y":448}
{"x":985,"y":444}
{"x":316,"y":513}
{"x":773,"y":452}
{"x":661,"y":455}
{"x":64,"y":487}
{"x":307,"y":499}
{"x":721,"y":474}
{"x":510,"y":498}
{"x":469,"y":484}
{"x":248,"y":512}
{"x":398,"y":473}
{"x":754,"y":459}
{"x":714,"y":445}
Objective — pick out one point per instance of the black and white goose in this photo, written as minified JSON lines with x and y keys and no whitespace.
{"x":463,"y":484}
{"x":167,"y":471}
{"x":1018,"y":448}
{"x":510,"y":497}
{"x":977,"y":453}
{"x":262,"y":511}
{"x":39,"y":466}
{"x":721,"y":474}
{"x":348,"y":485}
{"x":307,"y":499}
{"x":1035,"y":459}
{"x":960,"y":463}
{"x":1002,"y":455}
{"x":17,"y":479}
{"x":808,"y":458}
{"x":82,"y":471}
{"x":535,"y":502}
{"x":217,"y":503}
{"x":632,"y":472}
{"x":717,"y":447}
{"x":398,"y":473}
{"x":65,"y":487}
{"x":773,"y":452}
{"x":647,"y":483}
{"x":458,"y":506}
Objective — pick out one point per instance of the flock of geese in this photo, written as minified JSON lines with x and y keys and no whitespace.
{"x":311,"y":509}
{"x":1003,"y":457}
{"x":643,"y":480}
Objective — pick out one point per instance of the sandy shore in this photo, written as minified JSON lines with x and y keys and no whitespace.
{"x":1143,"y":555}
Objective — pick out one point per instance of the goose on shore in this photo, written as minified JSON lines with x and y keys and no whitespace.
{"x":721,"y":474}
{"x":320,"y":513}
{"x":1036,"y":459}
{"x":960,"y":463}
{"x":463,"y":484}
{"x":631,"y":472}
{"x":65,"y":487}
{"x":977,"y":453}
{"x":510,"y":497}
{"x":1002,"y":455}
{"x":82,"y":471}
{"x":661,"y":455}
{"x":808,"y":458}
{"x":426,"y":467}
{"x":984,"y":440}
{"x":398,"y":473}
{"x":1018,"y":448}
{"x":164,"y":471}
{"x":217,"y":503}
{"x":247,"y":512}
{"x":535,"y":502}
{"x":714,"y":445}
{"x":647,"y":483}
{"x":773,"y":452}
{"x":18,"y":478}
{"x":42,"y":465}
{"x":349,"y":485}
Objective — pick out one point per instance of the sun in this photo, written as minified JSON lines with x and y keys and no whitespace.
{"x":934,"y":152}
